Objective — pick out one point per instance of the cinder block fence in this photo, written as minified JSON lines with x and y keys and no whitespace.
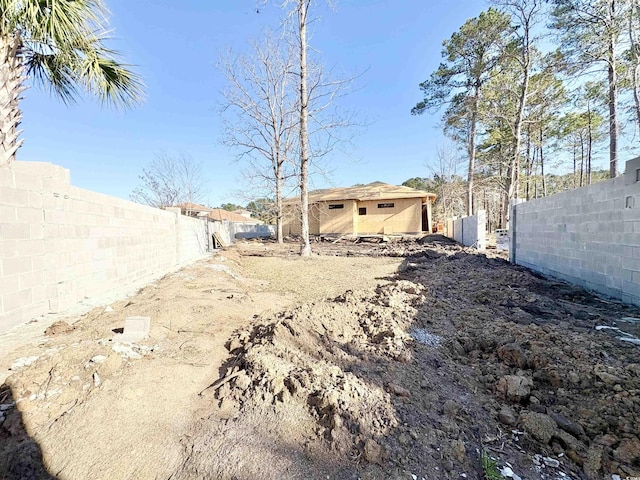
{"x":588,"y":236}
{"x":469,"y":231}
{"x":60,"y":244}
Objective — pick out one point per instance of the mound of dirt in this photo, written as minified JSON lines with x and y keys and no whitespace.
{"x":309,"y":361}
{"x":461,"y":354}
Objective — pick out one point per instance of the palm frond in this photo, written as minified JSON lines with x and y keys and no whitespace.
{"x":53,"y":71}
{"x":114,"y":83}
{"x":63,"y":47}
{"x":62,"y":22}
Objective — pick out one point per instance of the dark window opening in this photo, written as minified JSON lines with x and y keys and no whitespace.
{"x":362,"y":211}
{"x":386,"y":205}
{"x":336,"y":206}
{"x":638,"y":175}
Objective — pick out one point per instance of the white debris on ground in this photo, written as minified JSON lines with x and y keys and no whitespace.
{"x":627,"y":336}
{"x":225,"y":269}
{"x":128,"y":351}
{"x":98,"y":359}
{"x":630,"y":320}
{"x":507,"y":472}
{"x":541,"y":462}
{"x":422,"y":336}
{"x":23,"y":362}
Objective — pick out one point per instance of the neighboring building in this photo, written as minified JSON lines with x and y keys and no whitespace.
{"x":193,"y":209}
{"x":218,"y":215}
{"x":376,"y":208}
{"x":243,"y":212}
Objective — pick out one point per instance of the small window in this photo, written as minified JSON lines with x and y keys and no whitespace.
{"x":335,"y":206}
{"x":629,"y":202}
{"x":386,"y":205}
{"x":362,"y":211}
{"x":638,"y":175}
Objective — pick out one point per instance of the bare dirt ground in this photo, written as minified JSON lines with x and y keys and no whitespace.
{"x":410,"y":359}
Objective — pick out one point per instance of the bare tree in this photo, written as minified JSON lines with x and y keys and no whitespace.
{"x":260,"y":115}
{"x":302,"y":11}
{"x":449,"y":186}
{"x":169,"y":181}
{"x":320,"y":129}
{"x":321,"y":126}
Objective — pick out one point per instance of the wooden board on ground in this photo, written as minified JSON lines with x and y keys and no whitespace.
{"x":217,"y":239}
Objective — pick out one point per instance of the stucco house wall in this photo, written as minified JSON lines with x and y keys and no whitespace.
{"x":405,"y":216}
{"x":373,"y":209}
{"x":334,"y":219}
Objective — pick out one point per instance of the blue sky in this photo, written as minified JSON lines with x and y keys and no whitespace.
{"x":175,"y":44}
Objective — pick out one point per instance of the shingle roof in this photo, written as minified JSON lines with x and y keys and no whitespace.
{"x":371,"y":191}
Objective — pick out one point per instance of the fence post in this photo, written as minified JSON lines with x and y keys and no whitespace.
{"x":513,"y":203}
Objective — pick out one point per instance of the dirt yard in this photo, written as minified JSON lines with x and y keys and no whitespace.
{"x":409,"y":359}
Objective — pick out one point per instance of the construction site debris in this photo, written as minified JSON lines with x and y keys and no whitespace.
{"x":352,"y":385}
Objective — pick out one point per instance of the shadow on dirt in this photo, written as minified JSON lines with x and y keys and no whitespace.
{"x":20,"y":455}
{"x":460,"y":354}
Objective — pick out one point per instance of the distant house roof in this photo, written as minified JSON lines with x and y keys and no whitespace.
{"x":218,"y":215}
{"x":193,"y":207}
{"x":243,"y":212}
{"x":371,"y":191}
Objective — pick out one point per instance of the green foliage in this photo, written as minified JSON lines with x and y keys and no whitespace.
{"x":263,"y":209}
{"x":586,"y":27}
{"x":62,"y":46}
{"x":568,"y":181}
{"x":470,"y":55}
{"x":230,"y":207}
{"x":490,"y":468}
{"x":416,"y":182}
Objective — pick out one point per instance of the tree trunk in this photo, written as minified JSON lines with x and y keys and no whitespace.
{"x":634,"y":43}
{"x":581,"y":161}
{"x":472,"y":151}
{"x":544,"y":181}
{"x":279,"y":181}
{"x":11,"y":86}
{"x":636,"y":91}
{"x":613,"y":97}
{"x":522,"y":103}
{"x":305,"y":246}
{"x":514,"y":168}
{"x":589,"y":143}
{"x":529,"y":165}
{"x":574,"y":166}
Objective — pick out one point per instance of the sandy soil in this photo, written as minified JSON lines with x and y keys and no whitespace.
{"x":98,"y":409}
{"x":400,"y":360}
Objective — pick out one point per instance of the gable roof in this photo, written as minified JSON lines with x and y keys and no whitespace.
{"x":243,"y":212}
{"x":371,"y":191}
{"x":218,"y":215}
{"x":193,"y":207}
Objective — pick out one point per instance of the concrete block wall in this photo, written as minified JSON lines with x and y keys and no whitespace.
{"x":469,"y":231}
{"x":60,"y":244}
{"x":588,"y":236}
